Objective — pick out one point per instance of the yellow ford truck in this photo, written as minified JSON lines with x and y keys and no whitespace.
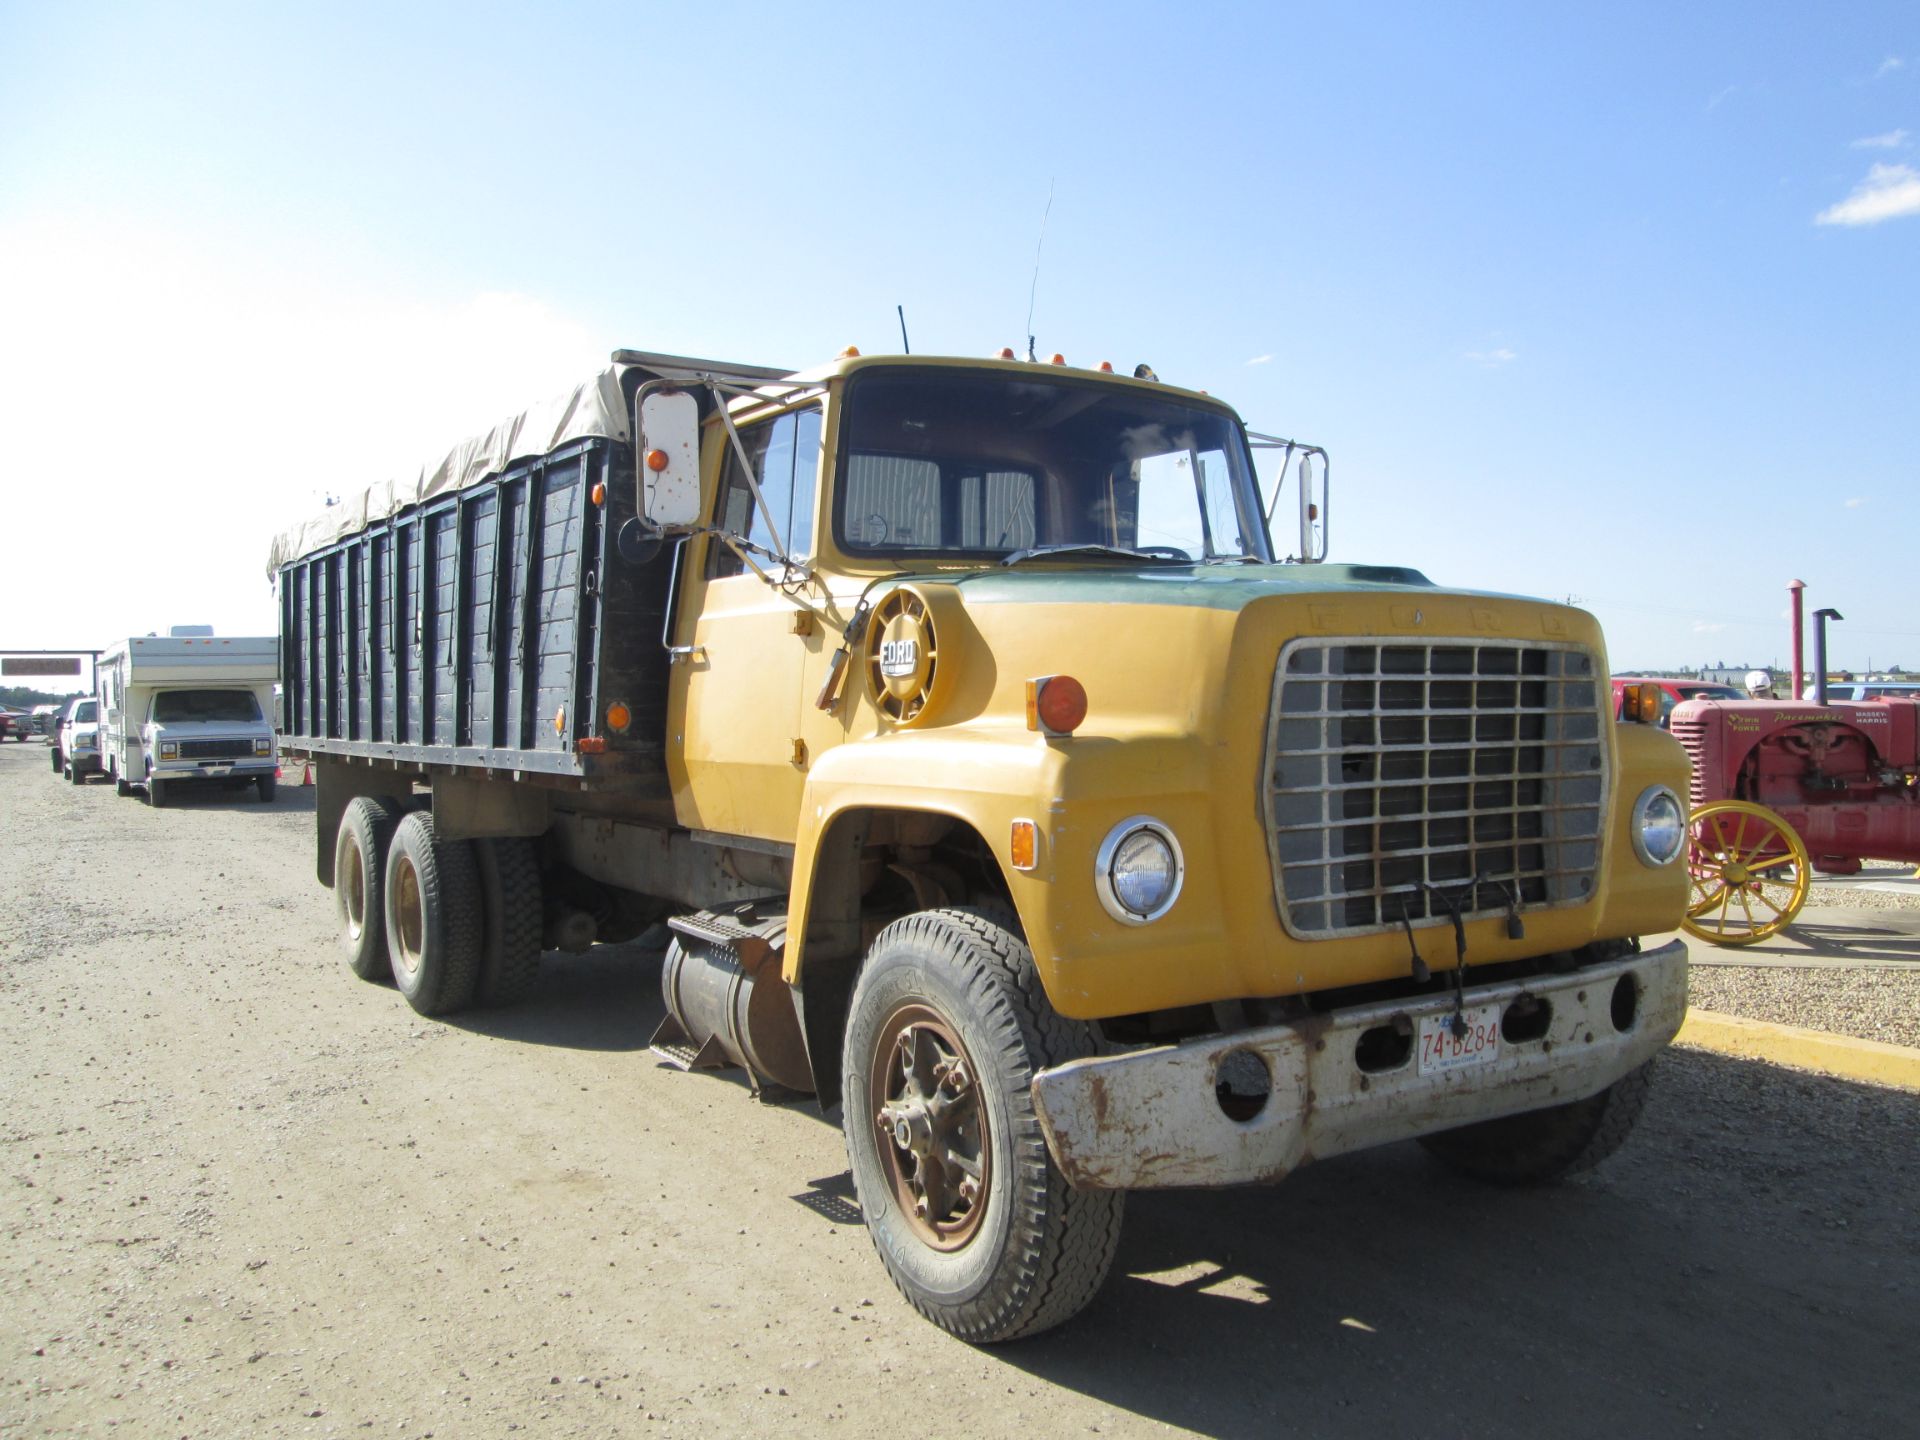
{"x":1002,"y":779}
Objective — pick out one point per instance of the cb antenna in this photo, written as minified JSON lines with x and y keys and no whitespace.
{"x":901,"y":311}
{"x":1034,"y":289}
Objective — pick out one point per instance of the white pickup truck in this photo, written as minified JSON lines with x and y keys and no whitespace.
{"x":189,"y":710}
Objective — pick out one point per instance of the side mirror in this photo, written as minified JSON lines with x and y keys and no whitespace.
{"x":666,"y":447}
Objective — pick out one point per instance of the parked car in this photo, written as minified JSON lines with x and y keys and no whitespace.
{"x":76,"y":746}
{"x":14,"y":724}
{"x":46,"y":719}
{"x":1673,"y":691}
{"x":1873,"y":690}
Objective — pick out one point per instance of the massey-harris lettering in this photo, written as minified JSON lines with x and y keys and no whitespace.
{"x":1002,"y":782}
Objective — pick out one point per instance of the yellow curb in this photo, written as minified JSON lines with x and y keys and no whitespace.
{"x":1873,"y":1061}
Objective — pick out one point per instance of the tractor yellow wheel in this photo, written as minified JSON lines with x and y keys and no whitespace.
{"x":1748,"y":873}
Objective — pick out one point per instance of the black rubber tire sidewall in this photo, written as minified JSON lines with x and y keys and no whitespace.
{"x":156,"y":793}
{"x":1043,"y":1249}
{"x":890,"y":981}
{"x":511,"y":894}
{"x":366,"y":826}
{"x":268,"y":786}
{"x":1539,"y":1147}
{"x":450,"y":912}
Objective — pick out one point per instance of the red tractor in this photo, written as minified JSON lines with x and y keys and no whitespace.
{"x":1782,"y":788}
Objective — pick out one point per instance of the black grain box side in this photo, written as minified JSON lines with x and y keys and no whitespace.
{"x":492,"y":627}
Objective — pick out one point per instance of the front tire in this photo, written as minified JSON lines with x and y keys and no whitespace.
{"x":977,"y":1227}
{"x":1542,"y":1146}
{"x":433,"y":916}
{"x":156,"y":793}
{"x":359,"y":870}
{"x":267,"y":786}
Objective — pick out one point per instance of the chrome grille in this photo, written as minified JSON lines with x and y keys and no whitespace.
{"x":1403,"y":779}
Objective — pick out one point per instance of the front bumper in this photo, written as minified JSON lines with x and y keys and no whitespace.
{"x":1152,"y":1118}
{"x":249,"y":769}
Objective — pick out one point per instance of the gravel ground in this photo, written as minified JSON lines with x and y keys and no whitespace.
{"x":1869,"y":1004}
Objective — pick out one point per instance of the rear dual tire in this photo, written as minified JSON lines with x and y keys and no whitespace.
{"x":433,"y":917}
{"x":359,"y":878}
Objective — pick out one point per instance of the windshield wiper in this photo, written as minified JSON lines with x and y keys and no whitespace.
{"x":1111,"y":552}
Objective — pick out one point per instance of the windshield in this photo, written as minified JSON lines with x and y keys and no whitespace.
{"x":84,"y":713}
{"x":172,"y":707}
{"x":974,"y":464}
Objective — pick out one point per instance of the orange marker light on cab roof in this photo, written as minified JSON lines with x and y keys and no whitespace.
{"x":1056,"y":704}
{"x":656,"y":460}
{"x":1106,"y":367}
{"x":1006,"y":352}
{"x":1058,"y":359}
{"x":1023,"y":846}
{"x":852,"y":352}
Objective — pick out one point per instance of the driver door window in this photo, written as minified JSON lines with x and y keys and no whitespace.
{"x":785,"y":452}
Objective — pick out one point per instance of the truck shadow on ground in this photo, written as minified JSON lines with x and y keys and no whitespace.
{"x":607,"y":999}
{"x":1747,"y":1284}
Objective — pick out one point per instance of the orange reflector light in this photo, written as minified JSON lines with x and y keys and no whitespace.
{"x":1640,"y":703}
{"x":1058,"y":360}
{"x":1056,"y":704}
{"x":1024,"y":848}
{"x":619,"y":717}
{"x":592,"y":744}
{"x":656,"y":460}
{"x":1006,"y":352}
{"x":599,"y":492}
{"x":560,"y":721}
{"x":852,"y":352}
{"x":1106,"y":367}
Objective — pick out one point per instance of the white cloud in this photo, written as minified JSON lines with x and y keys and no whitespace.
{"x":1888,"y":192}
{"x":180,"y":406}
{"x":1888,"y":66}
{"x":1707,"y":627}
{"x":1891,"y":140}
{"x":1855,"y":504}
{"x":1491,"y":359}
{"x":1261,"y":360}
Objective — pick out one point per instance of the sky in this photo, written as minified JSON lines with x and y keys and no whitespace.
{"x":1617,"y":304}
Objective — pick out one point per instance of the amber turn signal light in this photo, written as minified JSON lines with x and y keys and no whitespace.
{"x":619,"y":717}
{"x":656,"y":460}
{"x":1056,"y":704}
{"x":599,"y":492}
{"x":1640,"y":703}
{"x":1023,"y":848}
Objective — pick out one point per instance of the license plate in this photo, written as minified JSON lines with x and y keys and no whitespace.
{"x":216,"y":770}
{"x":1441,"y":1049}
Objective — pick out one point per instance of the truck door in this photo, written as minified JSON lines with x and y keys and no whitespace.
{"x":733,"y":716}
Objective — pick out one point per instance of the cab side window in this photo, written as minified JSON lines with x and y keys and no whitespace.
{"x":785,"y":452}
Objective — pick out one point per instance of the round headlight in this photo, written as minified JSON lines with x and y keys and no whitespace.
{"x":1139,"y":870}
{"x":1659,"y":827}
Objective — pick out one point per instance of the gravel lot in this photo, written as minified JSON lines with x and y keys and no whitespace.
{"x":243,"y":1194}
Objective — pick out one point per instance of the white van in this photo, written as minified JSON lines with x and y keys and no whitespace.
{"x":180,"y":710}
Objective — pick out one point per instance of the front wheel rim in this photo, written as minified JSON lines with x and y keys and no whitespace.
{"x":930,"y":1127}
